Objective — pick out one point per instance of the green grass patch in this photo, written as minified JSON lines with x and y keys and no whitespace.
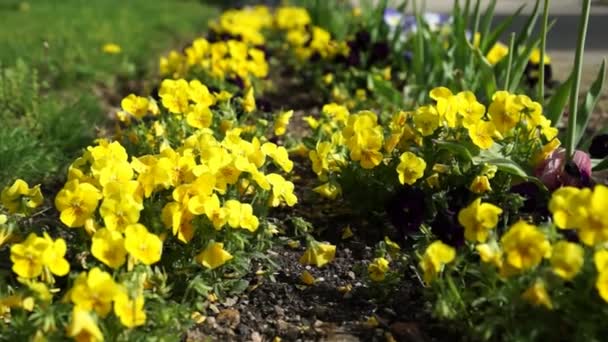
{"x":52,"y":63}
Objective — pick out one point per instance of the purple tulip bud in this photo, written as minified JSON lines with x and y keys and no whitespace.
{"x":555,"y":172}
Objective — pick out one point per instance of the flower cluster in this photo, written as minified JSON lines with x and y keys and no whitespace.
{"x":222,"y":60}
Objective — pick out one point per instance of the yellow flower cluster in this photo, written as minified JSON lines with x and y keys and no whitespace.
{"x":452,"y":117}
{"x":19,"y":197}
{"x":97,"y":292}
{"x":583,"y":210}
{"x":309,"y":41}
{"x":219,"y":60}
{"x":245,"y":24}
{"x":36,"y":256}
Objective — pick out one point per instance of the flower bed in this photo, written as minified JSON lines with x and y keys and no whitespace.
{"x":433,"y":147}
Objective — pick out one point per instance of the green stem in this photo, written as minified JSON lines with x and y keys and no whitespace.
{"x":510,"y":60}
{"x":578,"y":66}
{"x":543,"y":46}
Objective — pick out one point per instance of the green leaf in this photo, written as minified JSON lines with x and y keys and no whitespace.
{"x":599,"y":164}
{"x":526,"y":32}
{"x":487,"y":19}
{"x":555,"y":108}
{"x":488,"y":42}
{"x":456,"y":148}
{"x":587,"y":107}
{"x":384,"y":89}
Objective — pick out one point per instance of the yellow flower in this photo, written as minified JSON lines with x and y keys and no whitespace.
{"x":307,"y":278}
{"x":318,"y":254}
{"x":505,"y":111}
{"x":27,"y":257}
{"x":249,"y":101}
{"x":567,"y":258}
{"x":426,"y":120}
{"x":174,"y":95}
{"x":77,"y":202}
{"x":481,"y":134}
{"x":111,"y":48}
{"x":470,"y":109}
{"x":153,"y":172}
{"x":109,"y":247}
{"x":83,"y":327}
{"x":478,"y":219}
{"x":213,"y":256}
{"x":497,"y":53}
{"x":535,"y":57}
{"x":537,"y":295}
{"x":601,"y":285}
{"x":410,"y":168}
{"x":130,"y":312}
{"x":480,"y":185}
{"x":567,"y":206}
{"x":143,"y":245}
{"x":593,"y":228}
{"x":377,"y":269}
{"x":279,"y":155}
{"x":435,"y":256}
{"x":241,"y":215}
{"x":447,"y":104}
{"x":94,"y":291}
{"x":490,"y":253}
{"x":282,"y":191}
{"x":19,"y":193}
{"x":329,"y":190}
{"x":199,"y":116}
{"x":199,"y":94}
{"x":525,"y":246}
{"x":118,"y":214}
{"x":281,"y":123}
{"x":53,"y":256}
{"x":135,"y":105}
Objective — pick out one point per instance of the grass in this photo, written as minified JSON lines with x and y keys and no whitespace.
{"x":52,"y":66}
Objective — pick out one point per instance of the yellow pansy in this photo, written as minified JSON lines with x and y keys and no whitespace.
{"x":537,"y":295}
{"x":199,"y":116}
{"x":18,"y":194}
{"x":281,"y":123}
{"x":481,"y":134}
{"x":94,"y":290}
{"x":83,"y":327}
{"x":377,"y":269}
{"x":249,"y":101}
{"x":436,"y":255}
{"x":27,"y":257}
{"x":213,"y":256}
{"x":426,"y":120}
{"x":478,"y":219}
{"x":77,"y":202}
{"x":525,"y":246}
{"x":135,"y":105}
{"x":109,"y":247}
{"x":130,"y":311}
{"x":410,"y":168}
{"x":567,"y":258}
{"x":480,"y":185}
{"x":143,"y":245}
{"x":318,"y":254}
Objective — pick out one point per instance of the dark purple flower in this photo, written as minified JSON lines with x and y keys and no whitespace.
{"x":407,"y":210}
{"x":599,"y":146}
{"x":534,"y":199}
{"x":380,"y":52}
{"x":446,"y":228}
